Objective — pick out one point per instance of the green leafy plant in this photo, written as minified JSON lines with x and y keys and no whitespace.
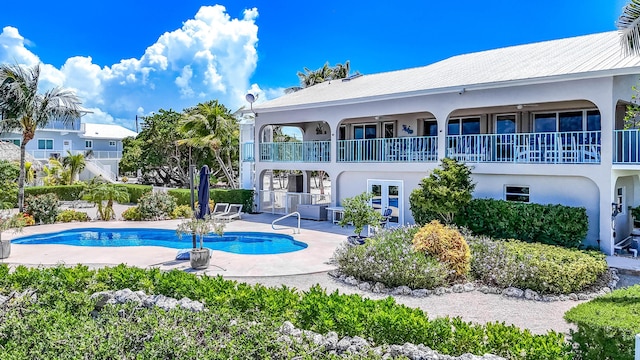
{"x":548,"y":224}
{"x":359,"y":212}
{"x":539,"y":267}
{"x":200,"y":228}
{"x":443,"y":193}
{"x":607,"y":325}
{"x":63,"y":192}
{"x":43,"y":208}
{"x":104,"y":195}
{"x":9,"y":173}
{"x":135,"y":191}
{"x":156,"y":206}
{"x":132,"y":214}
{"x":389,"y":257}
{"x":70,"y":215}
{"x":182,"y":212}
{"x":8,"y":222}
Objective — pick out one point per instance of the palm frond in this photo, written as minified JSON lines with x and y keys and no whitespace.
{"x":629,"y":27}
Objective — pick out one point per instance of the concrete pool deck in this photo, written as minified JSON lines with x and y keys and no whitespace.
{"x":322,"y":238}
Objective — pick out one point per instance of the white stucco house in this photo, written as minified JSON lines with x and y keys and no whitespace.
{"x":100,"y":143}
{"x":540,"y":123}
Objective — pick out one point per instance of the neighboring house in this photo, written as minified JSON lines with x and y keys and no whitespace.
{"x":100,"y":143}
{"x":539,"y":123}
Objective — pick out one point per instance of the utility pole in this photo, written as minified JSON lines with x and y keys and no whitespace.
{"x":137,"y":130}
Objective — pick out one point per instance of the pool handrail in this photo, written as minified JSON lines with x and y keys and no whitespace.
{"x":286,"y":227}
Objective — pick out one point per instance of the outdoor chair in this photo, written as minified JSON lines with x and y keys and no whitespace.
{"x":219,"y":209}
{"x":234,"y":212}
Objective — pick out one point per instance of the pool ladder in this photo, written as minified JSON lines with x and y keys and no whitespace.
{"x":273,"y":223}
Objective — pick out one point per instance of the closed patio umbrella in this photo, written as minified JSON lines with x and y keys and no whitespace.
{"x":203,"y":193}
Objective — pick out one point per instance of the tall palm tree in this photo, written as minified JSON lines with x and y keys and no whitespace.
{"x":211,"y":125}
{"x":75,"y":164}
{"x":629,"y":25}
{"x":23,"y":108}
{"x":313,"y":77}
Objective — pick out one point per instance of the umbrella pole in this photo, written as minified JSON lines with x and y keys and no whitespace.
{"x":191,"y":187}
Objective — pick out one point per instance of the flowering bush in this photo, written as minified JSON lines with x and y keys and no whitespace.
{"x":27,"y":219}
{"x":182,"y":212}
{"x":131,"y":214}
{"x":43,"y":208}
{"x":446,"y":244}
{"x":539,"y":267}
{"x":156,"y":206}
{"x":389,"y":258}
{"x":70,"y":215}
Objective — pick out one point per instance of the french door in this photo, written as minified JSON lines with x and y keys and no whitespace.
{"x":388,"y":194}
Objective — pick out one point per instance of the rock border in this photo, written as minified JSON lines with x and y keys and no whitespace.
{"x":512,"y":292}
{"x":332,"y":344}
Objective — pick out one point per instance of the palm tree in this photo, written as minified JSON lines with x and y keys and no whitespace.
{"x":98,"y":193}
{"x":24,"y":108}
{"x":629,"y":25}
{"x":313,"y":77}
{"x":211,"y":125}
{"x":75,"y":164}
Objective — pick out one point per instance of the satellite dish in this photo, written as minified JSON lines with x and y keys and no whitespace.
{"x":250,"y":98}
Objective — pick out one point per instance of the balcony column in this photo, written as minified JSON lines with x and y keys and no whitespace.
{"x":441,"y":118}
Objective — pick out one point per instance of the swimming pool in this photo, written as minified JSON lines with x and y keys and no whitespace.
{"x":247,"y":243}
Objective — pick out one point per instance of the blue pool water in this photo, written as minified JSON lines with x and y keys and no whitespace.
{"x":248,"y":243}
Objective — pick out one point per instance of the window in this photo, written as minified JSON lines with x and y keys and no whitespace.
{"x":45,"y":144}
{"x":620,"y":192}
{"x":364,"y":131}
{"x":88,"y":144}
{"x":505,"y":124}
{"x":469,"y":126}
{"x":430,"y":128}
{"x":516,"y":193}
{"x":567,"y":121}
{"x":389,"y":130}
{"x":15,"y":142}
{"x":112,"y":143}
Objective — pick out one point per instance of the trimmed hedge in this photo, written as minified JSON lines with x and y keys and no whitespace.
{"x":543,"y":268}
{"x":63,"y":192}
{"x":548,"y":224}
{"x":62,"y":320}
{"x":231,"y":196}
{"x":136,"y":191}
{"x":607,"y":325}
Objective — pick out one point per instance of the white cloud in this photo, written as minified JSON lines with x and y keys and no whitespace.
{"x":212,"y":56}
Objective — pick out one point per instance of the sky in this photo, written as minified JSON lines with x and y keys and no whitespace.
{"x":133,"y":57}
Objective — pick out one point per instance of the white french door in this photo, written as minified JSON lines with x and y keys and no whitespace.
{"x":388,"y":194}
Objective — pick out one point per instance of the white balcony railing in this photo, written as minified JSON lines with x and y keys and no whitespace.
{"x":626,"y":146}
{"x":305,"y":151}
{"x":59,"y":153}
{"x":402,"y":149}
{"x":247,"y":152}
{"x":549,"y":148}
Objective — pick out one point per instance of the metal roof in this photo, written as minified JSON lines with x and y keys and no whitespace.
{"x":106,"y":131}
{"x":587,"y":56}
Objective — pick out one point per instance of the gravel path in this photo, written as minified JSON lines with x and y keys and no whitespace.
{"x":539,"y":317}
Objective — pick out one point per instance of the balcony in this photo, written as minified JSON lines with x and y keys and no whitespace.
{"x":404,"y":149}
{"x":59,"y":125}
{"x":627,"y":146}
{"x":581,"y":147}
{"x":56,"y":154}
{"x":247,"y":152}
{"x":304,"y":151}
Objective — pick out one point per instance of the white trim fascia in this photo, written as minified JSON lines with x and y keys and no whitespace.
{"x":456,"y":89}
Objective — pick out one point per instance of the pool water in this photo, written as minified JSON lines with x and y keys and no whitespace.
{"x":248,"y":243}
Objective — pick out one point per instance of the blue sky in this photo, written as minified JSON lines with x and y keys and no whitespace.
{"x":136,"y":56}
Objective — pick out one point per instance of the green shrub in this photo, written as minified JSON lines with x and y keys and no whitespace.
{"x":136,"y":191}
{"x":442,"y":194}
{"x":43,"y":208}
{"x":539,"y":267}
{"x":131,"y":214}
{"x":156,"y":206}
{"x":607,"y":325}
{"x":240,"y":323}
{"x":389,"y":258}
{"x":72,"y":215}
{"x":445,"y":244}
{"x":63,"y":192}
{"x":8,"y":194}
{"x":182,"y":212}
{"x":548,"y":224}
{"x":230,"y":196}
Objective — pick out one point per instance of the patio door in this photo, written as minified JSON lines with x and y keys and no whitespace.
{"x":388,"y":194}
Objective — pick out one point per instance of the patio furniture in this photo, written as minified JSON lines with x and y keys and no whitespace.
{"x":234,"y":212}
{"x":219,"y":209}
{"x":626,"y":245}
